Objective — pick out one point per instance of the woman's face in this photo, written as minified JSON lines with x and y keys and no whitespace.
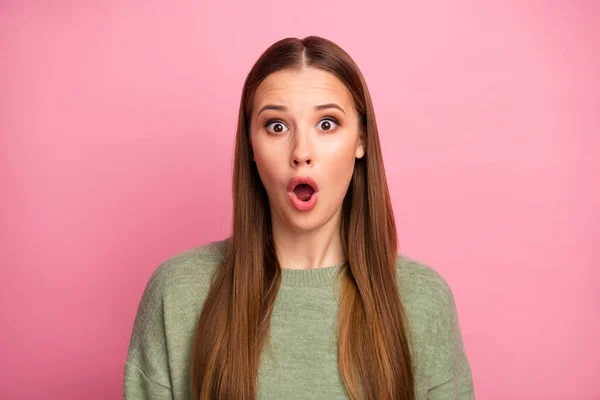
{"x":304,"y":124}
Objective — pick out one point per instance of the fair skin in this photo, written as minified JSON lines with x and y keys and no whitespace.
{"x":295,"y":139}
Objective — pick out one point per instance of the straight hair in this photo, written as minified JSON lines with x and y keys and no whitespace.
{"x":374,"y":356}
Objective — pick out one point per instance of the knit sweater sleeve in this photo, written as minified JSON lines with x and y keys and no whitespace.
{"x":449,"y":369}
{"x":146,"y":369}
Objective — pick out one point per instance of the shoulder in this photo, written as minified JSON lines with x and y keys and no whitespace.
{"x":415,"y":275}
{"x":206,"y":253}
{"x":191,"y":267}
{"x":427,"y":296}
{"x":442,"y":369}
{"x":167,"y":313}
{"x":178,"y":286}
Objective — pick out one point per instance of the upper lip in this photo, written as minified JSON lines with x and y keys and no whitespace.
{"x":297,"y":180}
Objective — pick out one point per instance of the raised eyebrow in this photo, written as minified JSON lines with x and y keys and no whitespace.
{"x":272,"y":107}
{"x":329,"y":105}
{"x":317,"y":108}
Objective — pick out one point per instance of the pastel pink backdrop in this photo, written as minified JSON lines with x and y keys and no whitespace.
{"x":117,"y":130}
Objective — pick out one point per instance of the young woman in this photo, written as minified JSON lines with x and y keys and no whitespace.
{"x":308,"y":298}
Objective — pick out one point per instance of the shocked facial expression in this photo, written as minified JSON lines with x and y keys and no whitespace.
{"x":305,"y":138}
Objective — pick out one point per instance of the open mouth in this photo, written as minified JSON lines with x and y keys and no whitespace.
{"x":303,"y":192}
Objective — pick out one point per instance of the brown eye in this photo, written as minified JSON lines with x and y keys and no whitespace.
{"x":276,"y":127}
{"x":328,"y":124}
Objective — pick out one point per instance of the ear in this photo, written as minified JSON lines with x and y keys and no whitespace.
{"x":361,"y":146}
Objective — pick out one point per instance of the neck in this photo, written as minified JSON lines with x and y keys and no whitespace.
{"x":309,"y":249}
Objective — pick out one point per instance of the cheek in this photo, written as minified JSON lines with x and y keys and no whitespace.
{"x":268,"y":164}
{"x":342,"y":153}
{"x":341,"y":165}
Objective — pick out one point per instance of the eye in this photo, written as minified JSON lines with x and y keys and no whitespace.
{"x":277,"y":127}
{"x":328,"y":124}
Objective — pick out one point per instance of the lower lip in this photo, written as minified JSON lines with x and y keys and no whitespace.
{"x":303,"y":205}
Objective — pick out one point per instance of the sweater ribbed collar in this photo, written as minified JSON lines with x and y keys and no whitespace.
{"x":316,"y":277}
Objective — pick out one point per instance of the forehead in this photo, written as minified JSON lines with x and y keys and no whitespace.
{"x":300,"y":88}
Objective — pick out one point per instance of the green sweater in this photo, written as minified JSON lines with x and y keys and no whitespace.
{"x":303,"y":362}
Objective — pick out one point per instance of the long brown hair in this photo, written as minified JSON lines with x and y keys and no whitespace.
{"x":374,"y":355}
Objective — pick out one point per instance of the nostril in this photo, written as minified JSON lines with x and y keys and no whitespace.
{"x":308,"y":162}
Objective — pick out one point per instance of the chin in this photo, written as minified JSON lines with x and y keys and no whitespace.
{"x":311,"y":221}
{"x":305,"y":223}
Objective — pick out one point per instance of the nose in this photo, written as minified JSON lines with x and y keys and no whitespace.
{"x":302,"y":150}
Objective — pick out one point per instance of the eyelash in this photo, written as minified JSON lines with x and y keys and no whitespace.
{"x":332,"y":119}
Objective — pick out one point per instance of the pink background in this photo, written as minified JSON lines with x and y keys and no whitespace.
{"x":117,"y":124}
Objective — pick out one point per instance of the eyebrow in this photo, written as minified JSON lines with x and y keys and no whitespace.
{"x":317,"y":108}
